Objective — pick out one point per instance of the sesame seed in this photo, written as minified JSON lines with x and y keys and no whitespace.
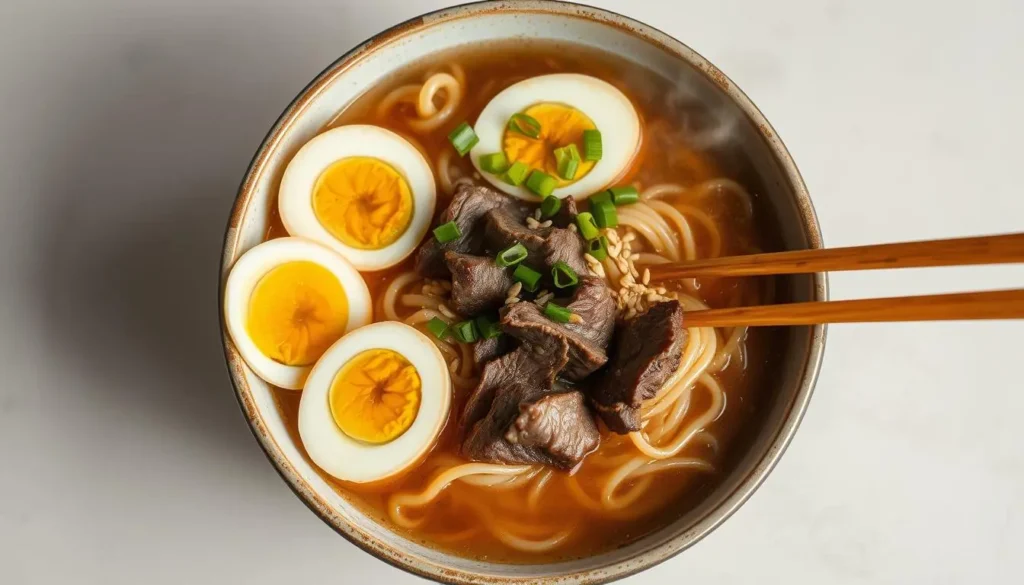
{"x":532,"y":223}
{"x":661,"y":290}
{"x":613,"y":236}
{"x":546,"y":224}
{"x":574,"y":318}
{"x":629,"y":237}
{"x":511,"y":300}
{"x":536,"y":214}
{"x":515,"y":290}
{"x":647,"y":276}
{"x":626,"y":254}
{"x":572,"y":227}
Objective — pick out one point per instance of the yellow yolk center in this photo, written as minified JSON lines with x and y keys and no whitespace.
{"x":364,"y":202}
{"x":296,"y":311}
{"x":376,"y":396}
{"x":560,"y":125}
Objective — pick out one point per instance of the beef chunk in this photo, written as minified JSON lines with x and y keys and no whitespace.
{"x":559,"y":425}
{"x":467,"y":209}
{"x":545,"y":245}
{"x":486,"y":350}
{"x":478,"y":284}
{"x":526,"y":373}
{"x":528,"y":324}
{"x":566,"y":213}
{"x":646,"y":352}
{"x":587,"y":340}
{"x":593,"y":302}
{"x":516,"y":415}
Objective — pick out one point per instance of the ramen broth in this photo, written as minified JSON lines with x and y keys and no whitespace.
{"x":576,"y":512}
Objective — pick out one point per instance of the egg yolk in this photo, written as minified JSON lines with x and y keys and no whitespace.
{"x":560,"y":125}
{"x":375,"y":396}
{"x":364,"y":202}
{"x":296,"y":311}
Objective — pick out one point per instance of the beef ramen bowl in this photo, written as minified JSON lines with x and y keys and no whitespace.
{"x":436,"y":307}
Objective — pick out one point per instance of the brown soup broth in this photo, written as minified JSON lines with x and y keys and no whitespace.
{"x":665,"y":158}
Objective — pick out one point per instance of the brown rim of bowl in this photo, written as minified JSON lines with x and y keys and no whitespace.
{"x":424,"y":567}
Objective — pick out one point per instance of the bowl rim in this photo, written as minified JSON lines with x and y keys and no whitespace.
{"x":731,"y":502}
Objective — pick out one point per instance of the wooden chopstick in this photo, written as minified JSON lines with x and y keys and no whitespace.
{"x":1002,"y":304}
{"x":1002,"y":249}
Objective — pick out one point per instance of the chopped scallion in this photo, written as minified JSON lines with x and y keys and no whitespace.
{"x":550,"y":206}
{"x":541,"y":183}
{"x":605,"y":215}
{"x":516,"y":174}
{"x":592,"y":149}
{"x":511,"y":256}
{"x":447,"y":232}
{"x":557,"y":313}
{"x":463,"y":138}
{"x":588,"y":229}
{"x":598,"y":248}
{"x":528,"y":276}
{"x":624,"y":195}
{"x":438,"y":327}
{"x":568,"y":160}
{"x":465,"y":331}
{"x":495,"y":163}
{"x":487,"y":327}
{"x":563,"y":275}
{"x":525,"y":125}
{"x":599,"y":197}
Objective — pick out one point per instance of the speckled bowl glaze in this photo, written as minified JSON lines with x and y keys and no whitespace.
{"x":776,"y":181}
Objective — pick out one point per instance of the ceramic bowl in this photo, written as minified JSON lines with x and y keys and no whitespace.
{"x":770,"y":174}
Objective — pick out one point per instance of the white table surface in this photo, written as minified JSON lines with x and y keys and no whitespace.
{"x":125,"y":127}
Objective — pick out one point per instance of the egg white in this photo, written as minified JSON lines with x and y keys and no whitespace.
{"x":254,"y":265}
{"x":351,"y":460}
{"x":295,"y":200}
{"x":609,"y":109}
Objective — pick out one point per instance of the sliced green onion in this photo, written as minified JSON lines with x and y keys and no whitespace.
{"x":550,"y":206}
{"x":463,"y":138}
{"x":447,"y":232}
{"x":598,"y":248}
{"x":511,"y":256}
{"x":627,"y":195}
{"x":557,"y":313}
{"x":465,"y":331}
{"x":528,"y":276}
{"x":488,"y":328}
{"x":564,"y":275}
{"x":516,"y":174}
{"x":600,"y":197}
{"x":568,"y":159}
{"x":592,"y":149}
{"x":588,"y":229}
{"x":438,"y":327}
{"x":525,"y":125}
{"x":541,"y":183}
{"x":495,"y":163}
{"x":605,"y":215}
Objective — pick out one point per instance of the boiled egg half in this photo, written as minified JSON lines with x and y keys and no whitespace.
{"x":375,"y":403}
{"x":362,"y":190}
{"x":565,"y":105}
{"x":286,"y":301}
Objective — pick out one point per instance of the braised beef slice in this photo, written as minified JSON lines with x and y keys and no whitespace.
{"x":526,"y":322}
{"x":467,"y":209}
{"x":646,"y":351}
{"x":566,"y":213}
{"x":527,"y":420}
{"x":478,"y":284}
{"x":522,"y":372}
{"x":592,"y":301}
{"x":545,"y":245}
{"x":486,"y":350}
{"x":559,"y":425}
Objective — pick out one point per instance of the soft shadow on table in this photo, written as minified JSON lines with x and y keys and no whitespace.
{"x":157,"y":131}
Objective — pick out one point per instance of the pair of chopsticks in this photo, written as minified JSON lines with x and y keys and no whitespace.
{"x":1004,"y":304}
